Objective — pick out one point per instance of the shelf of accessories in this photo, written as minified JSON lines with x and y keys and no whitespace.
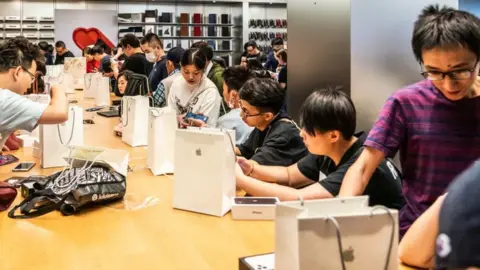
{"x":172,"y":24}
{"x":33,"y":28}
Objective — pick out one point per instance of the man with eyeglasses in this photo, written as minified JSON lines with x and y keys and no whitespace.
{"x":276,"y":138}
{"x":435,"y":123}
{"x":17,"y":69}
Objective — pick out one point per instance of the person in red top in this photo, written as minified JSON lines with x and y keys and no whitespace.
{"x":92,"y":64}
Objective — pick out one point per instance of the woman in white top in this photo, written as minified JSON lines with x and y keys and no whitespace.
{"x":193,"y":92}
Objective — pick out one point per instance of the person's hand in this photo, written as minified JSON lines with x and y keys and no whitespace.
{"x":181,"y":120}
{"x":56,"y":90}
{"x":245,"y":165}
{"x":94,"y":70}
{"x":5,"y":149}
{"x":196,"y":122}
{"x":238,"y":170}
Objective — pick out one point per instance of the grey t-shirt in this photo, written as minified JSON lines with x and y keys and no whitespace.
{"x":17,"y":112}
{"x":233,"y":121}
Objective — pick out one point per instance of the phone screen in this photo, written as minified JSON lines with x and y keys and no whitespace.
{"x":24,"y":166}
{"x":255,"y":200}
{"x":7,"y":159}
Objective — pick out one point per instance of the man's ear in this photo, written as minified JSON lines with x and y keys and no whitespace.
{"x":16,"y":73}
{"x":334,"y":136}
{"x":268,"y":116}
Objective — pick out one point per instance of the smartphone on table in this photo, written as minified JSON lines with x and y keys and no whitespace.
{"x":24,"y":167}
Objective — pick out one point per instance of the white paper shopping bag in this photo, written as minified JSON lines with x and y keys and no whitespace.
{"x":162,"y":124}
{"x":204,"y":180}
{"x":339,"y":233}
{"x":116,"y":159}
{"x":102,"y":96}
{"x":64,"y":80}
{"x":135,"y":120}
{"x":55,"y":139}
{"x":54,"y":70}
{"x":91,"y":84}
{"x":40,"y":98}
{"x":77,"y":67}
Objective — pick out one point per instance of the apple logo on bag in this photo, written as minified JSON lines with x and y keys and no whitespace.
{"x":348,"y":255}
{"x":198,"y":152}
{"x":94,"y":197}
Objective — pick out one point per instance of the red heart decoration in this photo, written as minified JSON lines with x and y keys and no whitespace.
{"x":84,"y":37}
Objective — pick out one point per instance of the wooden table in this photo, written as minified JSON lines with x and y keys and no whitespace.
{"x":142,"y":232}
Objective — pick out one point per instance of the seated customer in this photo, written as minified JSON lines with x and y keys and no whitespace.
{"x":233,"y":80}
{"x":193,"y":92}
{"x":276,"y":138}
{"x":328,"y":118}
{"x":173,"y":58}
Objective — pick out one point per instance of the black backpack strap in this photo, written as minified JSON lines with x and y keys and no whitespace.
{"x":28,"y":208}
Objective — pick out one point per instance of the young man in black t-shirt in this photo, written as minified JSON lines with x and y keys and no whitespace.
{"x":136,"y":60}
{"x":328,"y":118}
{"x":276,"y":140}
{"x":62,"y":52}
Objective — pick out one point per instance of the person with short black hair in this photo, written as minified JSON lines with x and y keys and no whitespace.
{"x":193,"y":92}
{"x":433,"y":123}
{"x":213,"y":70}
{"x":44,"y":51}
{"x":136,"y":60}
{"x":272,"y":63}
{"x":281,"y":57}
{"x":173,"y":58}
{"x":233,"y":80}
{"x":156,"y":55}
{"x":17,"y":73}
{"x":92,"y":64}
{"x":104,"y":59}
{"x":254,"y":52}
{"x":62,"y":52}
{"x":275,"y":139}
{"x":328,"y":118}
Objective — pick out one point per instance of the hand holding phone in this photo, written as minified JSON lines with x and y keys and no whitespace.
{"x":200,"y":117}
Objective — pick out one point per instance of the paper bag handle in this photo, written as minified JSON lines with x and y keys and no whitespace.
{"x":392,"y":234}
{"x":339,"y":236}
{"x":339,"y":239}
{"x":71,"y":132}
{"x":126,"y":108}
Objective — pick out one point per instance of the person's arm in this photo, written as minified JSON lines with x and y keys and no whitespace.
{"x":57,"y":111}
{"x":359,"y":174}
{"x":210,"y":105}
{"x":417,"y":247}
{"x":384,"y":140}
{"x":259,"y":188}
{"x":287,"y":176}
{"x":115,"y":69}
{"x":159,"y":95}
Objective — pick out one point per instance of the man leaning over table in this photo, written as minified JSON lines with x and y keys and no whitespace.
{"x":17,"y":69}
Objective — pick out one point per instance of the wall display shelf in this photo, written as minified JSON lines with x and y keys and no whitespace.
{"x":12,"y":18}
{"x":12,"y":26}
{"x":12,"y":34}
{"x":47,"y":19}
{"x":30,"y":19}
{"x":30,"y":26}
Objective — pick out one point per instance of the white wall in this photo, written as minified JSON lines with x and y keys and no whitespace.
{"x":381,"y":56}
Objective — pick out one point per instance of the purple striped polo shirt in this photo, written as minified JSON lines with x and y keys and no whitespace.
{"x":437,"y":139}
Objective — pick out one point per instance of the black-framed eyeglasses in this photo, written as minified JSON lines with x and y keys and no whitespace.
{"x":461,"y":74}
{"x":32,"y":76}
{"x":246,"y":114}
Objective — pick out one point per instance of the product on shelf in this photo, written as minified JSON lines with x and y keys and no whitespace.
{"x":184,"y":19}
{"x":197,"y":30}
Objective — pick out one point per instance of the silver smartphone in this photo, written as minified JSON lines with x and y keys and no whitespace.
{"x":24,"y":167}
